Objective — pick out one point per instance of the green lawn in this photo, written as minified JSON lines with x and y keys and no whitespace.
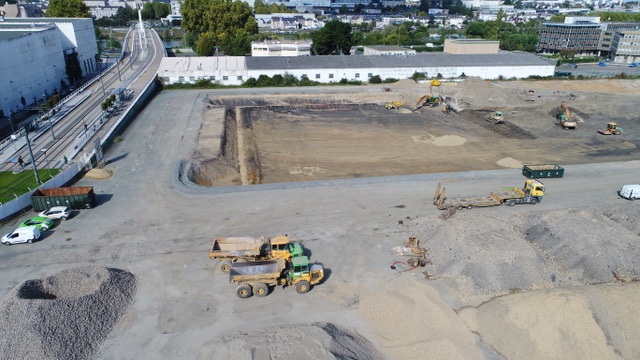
{"x":12,"y":185}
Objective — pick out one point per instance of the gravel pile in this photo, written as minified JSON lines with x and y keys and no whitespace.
{"x":480,"y":255}
{"x":65,"y":316}
{"x":317,"y":341}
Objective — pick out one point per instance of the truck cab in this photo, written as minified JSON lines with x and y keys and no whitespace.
{"x":281,"y":247}
{"x":534,"y":188}
{"x":302,"y":274}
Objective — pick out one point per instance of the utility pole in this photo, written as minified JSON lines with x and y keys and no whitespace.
{"x":33,"y":160}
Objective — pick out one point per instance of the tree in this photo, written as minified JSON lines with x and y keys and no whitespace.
{"x":161,"y":10}
{"x":344,"y":9}
{"x":206,"y":46}
{"x":68,"y":8}
{"x":333,"y":38}
{"x":220,"y":18}
{"x":239,"y":44}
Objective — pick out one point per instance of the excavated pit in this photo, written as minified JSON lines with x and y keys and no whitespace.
{"x":280,"y":138}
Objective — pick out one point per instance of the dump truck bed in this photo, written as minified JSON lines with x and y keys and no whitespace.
{"x":236,"y":247}
{"x":542,"y":171}
{"x":258,"y":271}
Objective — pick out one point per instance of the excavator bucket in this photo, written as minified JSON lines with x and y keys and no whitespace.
{"x":449,"y":212}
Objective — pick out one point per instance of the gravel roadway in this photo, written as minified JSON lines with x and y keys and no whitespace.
{"x":152,"y":225}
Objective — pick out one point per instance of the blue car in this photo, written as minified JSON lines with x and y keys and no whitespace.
{"x":602,"y":64}
{"x":634,"y":64}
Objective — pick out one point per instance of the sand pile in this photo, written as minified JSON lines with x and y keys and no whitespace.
{"x":98,"y":174}
{"x":315,"y":341}
{"x":596,"y":322}
{"x":65,"y":316}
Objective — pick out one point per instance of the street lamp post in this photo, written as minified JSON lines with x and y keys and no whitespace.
{"x":33,"y":161}
{"x":46,"y":161}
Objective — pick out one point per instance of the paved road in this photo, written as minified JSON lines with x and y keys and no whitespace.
{"x":151,"y":225}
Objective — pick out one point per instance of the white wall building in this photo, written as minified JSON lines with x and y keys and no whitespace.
{"x":281,"y":48}
{"x":234,"y":70}
{"x":34,"y":56}
{"x":387,"y":50}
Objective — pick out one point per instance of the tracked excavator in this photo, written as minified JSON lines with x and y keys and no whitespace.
{"x":432,"y":99}
{"x":564,"y":117}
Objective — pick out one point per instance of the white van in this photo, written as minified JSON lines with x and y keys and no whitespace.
{"x":630,"y":192}
{"x":27,"y":234}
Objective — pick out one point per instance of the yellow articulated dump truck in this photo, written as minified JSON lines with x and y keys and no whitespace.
{"x":532,"y":193}
{"x":259,"y":277}
{"x":231,"y":249}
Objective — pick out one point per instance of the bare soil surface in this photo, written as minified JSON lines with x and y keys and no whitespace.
{"x":303,"y":138}
{"x":556,"y":280}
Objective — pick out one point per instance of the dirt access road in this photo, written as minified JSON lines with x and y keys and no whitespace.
{"x":551,"y":281}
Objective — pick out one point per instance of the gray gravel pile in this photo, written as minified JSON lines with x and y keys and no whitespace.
{"x":586,"y":245}
{"x":65,"y":316}
{"x":317,"y":341}
{"x":480,"y":254}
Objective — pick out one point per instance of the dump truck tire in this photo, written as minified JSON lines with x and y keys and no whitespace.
{"x":225,"y":266}
{"x":303,"y":287}
{"x":534,"y":201}
{"x":510,"y":202}
{"x":244,"y":291}
{"x":261,"y":289}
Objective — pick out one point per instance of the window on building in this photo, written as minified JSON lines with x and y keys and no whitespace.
{"x":317,"y":76}
{"x":240,"y":78}
{"x":370,"y":75}
{"x":212,"y":78}
{"x":192,"y":78}
{"x":165,"y":80}
{"x":330,"y":76}
{"x":357,"y":75}
{"x":180,"y":79}
{"x":225,"y":78}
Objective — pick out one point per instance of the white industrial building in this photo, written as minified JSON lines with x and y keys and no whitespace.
{"x":234,"y":70}
{"x":34,"y":52}
{"x":281,"y":48}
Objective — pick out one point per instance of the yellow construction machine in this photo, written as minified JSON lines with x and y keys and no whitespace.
{"x":432,"y":99}
{"x":612,"y":129}
{"x":495,"y":117}
{"x":564,"y":117}
{"x":393,"y":105}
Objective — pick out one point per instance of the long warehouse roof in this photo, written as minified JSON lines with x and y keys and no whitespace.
{"x":387,"y":61}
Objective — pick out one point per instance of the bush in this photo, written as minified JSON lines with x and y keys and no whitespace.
{"x":463,"y":76}
{"x":418,"y":76}
{"x":251,"y":82}
{"x":389,"y":80}
{"x":375,"y":80}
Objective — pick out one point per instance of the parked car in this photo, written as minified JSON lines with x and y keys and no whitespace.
{"x":602,"y":64}
{"x":630,"y":192}
{"x":41,"y":222}
{"x":21,"y":235}
{"x":56,"y":213}
{"x":633,"y":64}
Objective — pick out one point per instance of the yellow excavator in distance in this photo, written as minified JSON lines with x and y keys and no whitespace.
{"x":565,"y":119}
{"x":432,"y":99}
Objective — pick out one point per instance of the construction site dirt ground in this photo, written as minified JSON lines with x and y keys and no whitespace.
{"x":557,"y":280}
{"x":306,"y":137}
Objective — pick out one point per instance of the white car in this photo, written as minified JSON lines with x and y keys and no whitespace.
{"x":27,"y":234}
{"x":56,"y":213}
